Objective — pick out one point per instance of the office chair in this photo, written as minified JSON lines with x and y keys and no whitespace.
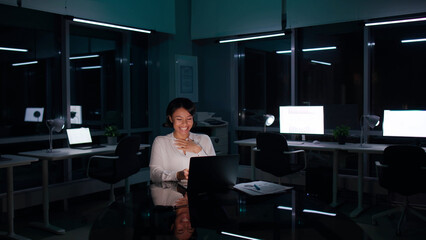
{"x":112,"y":169}
{"x":274,"y":157}
{"x":401,"y":172}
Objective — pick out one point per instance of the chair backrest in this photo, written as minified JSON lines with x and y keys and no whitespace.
{"x":402,"y":171}
{"x":128,"y":162}
{"x":271,"y":157}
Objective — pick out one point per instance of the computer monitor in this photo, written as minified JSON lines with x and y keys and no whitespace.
{"x":34,"y":114}
{"x":76,"y":115}
{"x":302,"y":119}
{"x":404,"y":123}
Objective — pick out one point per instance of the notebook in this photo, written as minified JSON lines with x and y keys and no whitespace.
{"x":80,"y":138}
{"x":212,"y":173}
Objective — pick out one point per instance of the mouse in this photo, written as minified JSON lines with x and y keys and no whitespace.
{"x":316,"y":142}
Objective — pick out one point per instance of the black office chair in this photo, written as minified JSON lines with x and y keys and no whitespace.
{"x":112,"y":169}
{"x":401,"y":172}
{"x":274,"y":157}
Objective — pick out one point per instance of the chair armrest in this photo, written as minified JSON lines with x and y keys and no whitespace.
{"x":297,"y":152}
{"x":379,"y":164}
{"x":98,"y":158}
{"x":139,"y":154}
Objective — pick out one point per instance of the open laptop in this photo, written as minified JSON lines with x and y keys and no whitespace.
{"x":212,"y":173}
{"x":80,"y":138}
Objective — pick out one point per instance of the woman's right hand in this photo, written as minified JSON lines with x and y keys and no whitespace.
{"x":182,"y":175}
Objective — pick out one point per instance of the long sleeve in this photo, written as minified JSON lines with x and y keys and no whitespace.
{"x":166,"y":160}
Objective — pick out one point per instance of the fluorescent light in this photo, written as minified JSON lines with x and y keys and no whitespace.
{"x":13,"y":49}
{"x":111,"y":25}
{"x":396,"y":21}
{"x":83,"y":57}
{"x":238,"y":236}
{"x":318,"y":49}
{"x":251,"y":38}
{"x":90,"y":67}
{"x":24,"y":63}
{"x":319,"y":212}
{"x":285,"y":208}
{"x":283,"y":51}
{"x":413,"y":40}
{"x":319,"y":62}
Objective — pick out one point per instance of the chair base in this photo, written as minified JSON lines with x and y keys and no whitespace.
{"x":405,"y":209}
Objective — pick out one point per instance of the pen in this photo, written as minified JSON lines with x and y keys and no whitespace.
{"x":257,"y":187}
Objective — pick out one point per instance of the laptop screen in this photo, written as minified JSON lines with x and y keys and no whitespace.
{"x":79,"y":136}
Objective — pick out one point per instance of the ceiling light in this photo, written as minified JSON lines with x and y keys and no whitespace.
{"x":24,"y":63}
{"x":319,"y":62}
{"x":238,"y":236}
{"x":251,"y":38}
{"x":396,"y":21}
{"x":90,"y":67}
{"x":83,"y":57}
{"x":319,"y":49}
{"x":13,"y":49}
{"x":283,"y":51}
{"x":110,"y":25}
{"x":413,"y":40}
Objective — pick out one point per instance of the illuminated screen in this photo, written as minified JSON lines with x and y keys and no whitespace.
{"x":302,"y":119}
{"x":404,"y":123}
{"x":34,"y":114}
{"x":76,"y":117}
{"x":79,"y":135}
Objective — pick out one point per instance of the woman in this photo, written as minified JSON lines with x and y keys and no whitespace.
{"x":171,"y":153}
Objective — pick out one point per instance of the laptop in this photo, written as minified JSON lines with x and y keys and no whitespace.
{"x":80,"y":138}
{"x":212,"y":173}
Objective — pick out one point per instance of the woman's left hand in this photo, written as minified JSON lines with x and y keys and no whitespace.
{"x":188,"y":145}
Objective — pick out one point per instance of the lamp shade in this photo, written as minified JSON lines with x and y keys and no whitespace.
{"x":372,"y":120}
{"x":269,"y":119}
{"x":55,"y":124}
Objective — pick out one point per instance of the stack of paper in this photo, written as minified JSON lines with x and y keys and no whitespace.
{"x":261,"y":188}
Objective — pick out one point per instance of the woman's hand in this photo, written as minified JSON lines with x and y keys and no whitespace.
{"x":187,"y":145}
{"x":182,"y":175}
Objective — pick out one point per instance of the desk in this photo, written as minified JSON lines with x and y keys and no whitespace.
{"x":9,"y":164}
{"x":150,"y":213}
{"x":61,"y":154}
{"x":334,"y":148}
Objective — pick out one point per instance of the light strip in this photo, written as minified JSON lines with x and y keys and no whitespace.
{"x":283,"y":51}
{"x":14,"y":49}
{"x":319,"y":62}
{"x":238,"y":236}
{"x":24,"y":63}
{"x":319,"y":212}
{"x":110,"y":25}
{"x":90,"y":67}
{"x":318,"y":49}
{"x":285,"y":208}
{"x":396,"y":21}
{"x":251,"y":38}
{"x":83,"y":57}
{"x":413,"y":40}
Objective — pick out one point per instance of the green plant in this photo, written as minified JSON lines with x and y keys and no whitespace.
{"x":341,"y":130}
{"x":111,"y":131}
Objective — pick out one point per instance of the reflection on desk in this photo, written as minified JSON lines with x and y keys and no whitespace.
{"x":215,"y":214}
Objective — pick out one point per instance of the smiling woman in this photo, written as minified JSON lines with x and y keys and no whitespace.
{"x":171,"y":153}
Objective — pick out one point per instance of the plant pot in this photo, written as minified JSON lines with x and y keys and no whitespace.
{"x":112,"y":140}
{"x":341,"y":139}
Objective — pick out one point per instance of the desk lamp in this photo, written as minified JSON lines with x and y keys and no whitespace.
{"x":372,"y":121}
{"x":269,"y":119}
{"x":54,"y":125}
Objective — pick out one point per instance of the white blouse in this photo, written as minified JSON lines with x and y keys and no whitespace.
{"x":167,"y":159}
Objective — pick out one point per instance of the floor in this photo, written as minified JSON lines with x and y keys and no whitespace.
{"x":83,"y":211}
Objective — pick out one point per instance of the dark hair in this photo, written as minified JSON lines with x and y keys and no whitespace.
{"x":175,"y":104}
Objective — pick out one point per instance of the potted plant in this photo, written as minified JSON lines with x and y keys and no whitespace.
{"x":340,"y":133}
{"x":111,"y":132}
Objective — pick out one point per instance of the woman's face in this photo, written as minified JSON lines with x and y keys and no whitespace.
{"x":182,"y":122}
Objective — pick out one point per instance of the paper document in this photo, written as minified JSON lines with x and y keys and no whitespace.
{"x":261,"y":188}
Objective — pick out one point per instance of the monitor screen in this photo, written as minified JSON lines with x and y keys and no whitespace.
{"x":302,"y":119}
{"x":76,"y":117}
{"x":404,"y":123}
{"x":34,"y":114}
